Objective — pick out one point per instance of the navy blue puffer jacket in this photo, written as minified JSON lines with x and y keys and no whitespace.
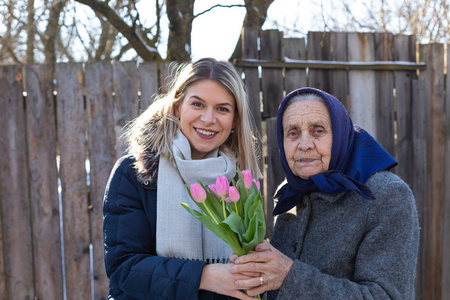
{"x":129,"y":231}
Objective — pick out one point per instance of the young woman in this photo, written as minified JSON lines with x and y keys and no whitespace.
{"x":154,"y":249}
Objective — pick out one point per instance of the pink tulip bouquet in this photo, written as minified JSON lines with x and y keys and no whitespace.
{"x":233,"y":213}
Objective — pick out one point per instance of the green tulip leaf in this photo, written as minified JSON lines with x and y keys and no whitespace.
{"x":223,"y":232}
{"x":236,"y":223}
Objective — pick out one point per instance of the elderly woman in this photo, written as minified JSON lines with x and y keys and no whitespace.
{"x":347,"y":228}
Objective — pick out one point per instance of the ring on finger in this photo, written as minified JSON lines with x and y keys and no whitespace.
{"x":261,"y":280}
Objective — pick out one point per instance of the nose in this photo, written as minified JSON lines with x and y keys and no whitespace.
{"x":208,"y":116}
{"x":305,"y":142}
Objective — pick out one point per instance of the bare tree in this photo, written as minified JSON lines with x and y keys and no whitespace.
{"x":180,"y":14}
{"x":52,"y":30}
{"x":428,"y":20}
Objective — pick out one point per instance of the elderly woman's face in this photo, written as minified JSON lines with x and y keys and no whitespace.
{"x":308,"y":137}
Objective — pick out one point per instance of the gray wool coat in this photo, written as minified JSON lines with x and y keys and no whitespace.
{"x":347,"y":247}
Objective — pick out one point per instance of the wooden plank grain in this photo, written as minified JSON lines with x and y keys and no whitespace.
{"x":384,"y":51}
{"x":41,"y":142}
{"x":102,"y":156}
{"x":319,"y":49}
{"x":294,"y":48}
{"x":72,"y":153}
{"x":272,"y":79}
{"x":404,"y":51}
{"x":433,"y":55}
{"x":275,"y":173}
{"x":329,"y":46}
{"x":446,"y":204}
{"x":126,"y":88}
{"x":17,"y":281}
{"x":362,"y":86}
{"x":252,"y":82}
{"x":419,"y":139}
{"x":272,"y":86}
{"x":148,"y":83}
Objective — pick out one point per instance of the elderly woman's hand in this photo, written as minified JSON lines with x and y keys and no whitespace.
{"x":272,"y":265}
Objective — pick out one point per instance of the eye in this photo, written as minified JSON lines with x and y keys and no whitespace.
{"x":291,"y":134}
{"x":197,"y":104}
{"x":318,"y":131}
{"x":223,"y":109}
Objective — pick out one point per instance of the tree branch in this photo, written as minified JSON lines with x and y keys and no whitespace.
{"x":219,"y":5}
{"x":145,"y":51}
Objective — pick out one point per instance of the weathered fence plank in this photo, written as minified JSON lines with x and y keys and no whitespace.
{"x":275,"y":174}
{"x":148,"y":86}
{"x":126,"y":88}
{"x":433,"y":55}
{"x":166,"y":72}
{"x":318,"y":49}
{"x":294,"y":49}
{"x":41,"y":133}
{"x":384,"y":51}
{"x":329,"y":46}
{"x":72,"y":172}
{"x":418,"y":183}
{"x":16,"y":252}
{"x":102,"y":156}
{"x":250,"y":38}
{"x":446,"y":205}
{"x":404,"y":51}
{"x":362,"y":87}
{"x":252,"y":84}
{"x":271,"y":79}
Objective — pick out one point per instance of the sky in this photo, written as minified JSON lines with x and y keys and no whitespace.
{"x":215,"y":33}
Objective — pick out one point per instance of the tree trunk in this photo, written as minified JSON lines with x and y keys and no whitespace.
{"x":180,"y":14}
{"x":29,"y":56}
{"x":52,"y":31}
{"x":255,"y":17}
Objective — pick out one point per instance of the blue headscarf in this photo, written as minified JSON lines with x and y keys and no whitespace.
{"x":355,"y":156}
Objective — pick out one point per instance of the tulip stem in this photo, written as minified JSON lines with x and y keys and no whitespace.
{"x":209,"y":212}
{"x":235,"y":205}
{"x":223,"y":208}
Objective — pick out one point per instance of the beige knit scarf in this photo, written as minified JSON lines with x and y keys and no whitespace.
{"x":178,"y":233}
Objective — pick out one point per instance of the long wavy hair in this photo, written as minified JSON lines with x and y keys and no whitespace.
{"x":152,"y":132}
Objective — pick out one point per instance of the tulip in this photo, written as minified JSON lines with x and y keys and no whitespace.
{"x":234,"y":197}
{"x":228,"y":200}
{"x":198,"y":193}
{"x":258,"y":185}
{"x":234,"y":194}
{"x":247,"y":175}
{"x":222,"y":186}
{"x":212,"y":187}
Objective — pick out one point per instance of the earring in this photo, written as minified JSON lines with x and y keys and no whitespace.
{"x":232,"y":131}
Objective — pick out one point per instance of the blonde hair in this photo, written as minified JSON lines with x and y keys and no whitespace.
{"x":153,"y":131}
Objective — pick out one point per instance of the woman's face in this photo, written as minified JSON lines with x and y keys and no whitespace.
{"x":206,"y":115}
{"x":308,"y":137}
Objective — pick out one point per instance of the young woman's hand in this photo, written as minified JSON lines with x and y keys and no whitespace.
{"x":271,"y":265}
{"x":218,"y":278}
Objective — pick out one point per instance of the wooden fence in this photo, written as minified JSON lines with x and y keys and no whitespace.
{"x":63,"y":134}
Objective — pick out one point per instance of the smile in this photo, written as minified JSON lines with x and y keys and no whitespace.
{"x":205,"y":132}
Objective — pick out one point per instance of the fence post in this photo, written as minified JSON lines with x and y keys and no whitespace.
{"x":362,"y":92}
{"x":433,"y":55}
{"x":16,"y":250}
{"x":446,"y":206}
{"x":72,"y":153}
{"x":41,"y":131}
{"x":102,"y":156}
